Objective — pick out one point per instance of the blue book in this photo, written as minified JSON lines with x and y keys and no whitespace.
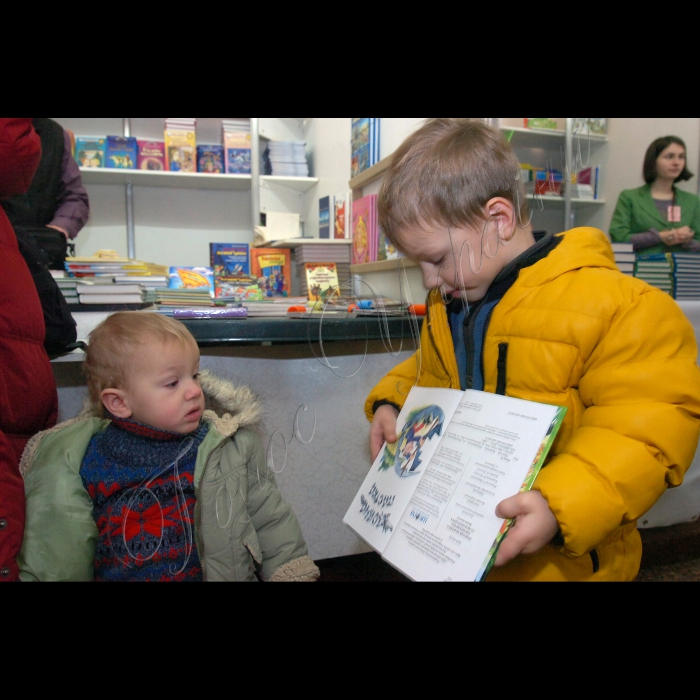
{"x":324,"y":217}
{"x":230,"y":258}
{"x":90,"y":151}
{"x":121,"y":152}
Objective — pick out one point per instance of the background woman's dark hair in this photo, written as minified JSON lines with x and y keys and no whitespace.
{"x":653,"y":152}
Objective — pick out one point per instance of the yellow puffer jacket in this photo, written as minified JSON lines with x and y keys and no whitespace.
{"x":622,"y":357}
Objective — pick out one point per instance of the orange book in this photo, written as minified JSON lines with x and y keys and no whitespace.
{"x":272,"y":268}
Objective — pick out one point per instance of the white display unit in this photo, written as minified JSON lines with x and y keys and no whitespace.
{"x":560,"y":149}
{"x":171,"y":217}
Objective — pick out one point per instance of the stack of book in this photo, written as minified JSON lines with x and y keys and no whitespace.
{"x":181,"y":144}
{"x":183,"y":297}
{"x":286,"y":158}
{"x":686,"y":276}
{"x":235,"y":135}
{"x":103,"y":293}
{"x":656,"y":270}
{"x":318,"y":252}
{"x":364,"y":144}
{"x":113,"y":267}
{"x":69,"y":289}
{"x":624,"y":257}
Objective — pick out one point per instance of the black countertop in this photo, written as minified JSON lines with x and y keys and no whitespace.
{"x":277,"y":330}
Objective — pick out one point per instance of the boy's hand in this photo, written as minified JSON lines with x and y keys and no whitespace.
{"x":534,"y":526}
{"x":383,"y":429}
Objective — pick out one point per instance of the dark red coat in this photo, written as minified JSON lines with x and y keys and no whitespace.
{"x":28,"y":398}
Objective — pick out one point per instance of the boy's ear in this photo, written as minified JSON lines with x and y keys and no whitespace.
{"x":502,"y":213}
{"x":114,"y":400}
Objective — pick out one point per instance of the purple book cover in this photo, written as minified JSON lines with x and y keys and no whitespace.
{"x":151,"y":155}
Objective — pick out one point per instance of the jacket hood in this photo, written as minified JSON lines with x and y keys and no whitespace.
{"x":581,"y":247}
{"x":227,"y":406}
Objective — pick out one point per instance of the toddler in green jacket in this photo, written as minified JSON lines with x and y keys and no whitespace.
{"x":151,"y":484}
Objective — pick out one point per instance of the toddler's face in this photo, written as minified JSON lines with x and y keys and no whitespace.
{"x":163,"y":387}
{"x":463,"y":262}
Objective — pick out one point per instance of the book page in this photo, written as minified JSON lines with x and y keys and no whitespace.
{"x":492,"y":449}
{"x":390,"y":482}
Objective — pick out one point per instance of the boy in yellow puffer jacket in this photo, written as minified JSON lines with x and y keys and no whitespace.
{"x":549,"y":320}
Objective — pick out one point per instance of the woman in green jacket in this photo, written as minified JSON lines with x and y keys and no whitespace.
{"x":658,"y":217}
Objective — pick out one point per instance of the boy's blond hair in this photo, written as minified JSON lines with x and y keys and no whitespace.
{"x":111,"y":344}
{"x":444,"y":173}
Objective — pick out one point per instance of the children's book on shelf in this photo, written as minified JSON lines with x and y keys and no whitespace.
{"x":590,"y":125}
{"x":237,"y":152}
{"x":121,"y":152}
{"x":191,"y":277}
{"x":324,"y":217}
{"x":90,"y":151}
{"x":151,"y":155}
{"x":321,"y":280}
{"x":427,"y":504}
{"x":541,"y":122}
{"x":342,"y":206}
{"x":364,"y":143}
{"x":230,"y":263}
{"x":364,"y":213}
{"x":272,"y":270}
{"x":386,"y":250}
{"x":210,"y":158}
{"x":180,"y":147}
{"x":549,"y":182}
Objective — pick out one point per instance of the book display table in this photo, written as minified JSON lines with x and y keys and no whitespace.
{"x":305,"y":378}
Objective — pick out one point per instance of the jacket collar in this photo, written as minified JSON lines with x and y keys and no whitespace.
{"x":646,"y":202}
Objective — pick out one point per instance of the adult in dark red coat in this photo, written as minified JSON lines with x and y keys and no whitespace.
{"x":28,"y":397}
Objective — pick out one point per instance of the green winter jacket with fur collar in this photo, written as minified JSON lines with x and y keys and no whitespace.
{"x":243,"y":526}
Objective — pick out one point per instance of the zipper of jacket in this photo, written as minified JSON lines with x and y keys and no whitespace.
{"x":469,"y":345}
{"x":198,"y":520}
{"x":435,"y":347}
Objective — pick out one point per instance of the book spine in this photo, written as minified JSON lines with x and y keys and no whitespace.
{"x":596,"y":186}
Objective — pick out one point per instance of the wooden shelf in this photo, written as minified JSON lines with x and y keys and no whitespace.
{"x":382,"y":266}
{"x":296,"y":242}
{"x":371,"y":174}
{"x":165,"y":178}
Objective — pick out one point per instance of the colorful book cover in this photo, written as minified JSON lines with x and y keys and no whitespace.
{"x":324,"y":217}
{"x":121,"y":152}
{"x":230,"y":263}
{"x":210,"y":158}
{"x":272,"y":269}
{"x":321,"y":280}
{"x":361,"y":228}
{"x":541,"y":122}
{"x":341,"y":217}
{"x":180,"y":150}
{"x":386,"y":250}
{"x":90,"y":151}
{"x":186,"y":277}
{"x":237,"y":152}
{"x":151,"y":155}
{"x":359,"y":145}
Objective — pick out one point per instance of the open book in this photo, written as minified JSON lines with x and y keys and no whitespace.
{"x":427,"y":504}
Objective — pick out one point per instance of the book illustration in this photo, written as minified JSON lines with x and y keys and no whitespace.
{"x":359,"y":145}
{"x":386,"y":250}
{"x":191,"y":278}
{"x":405,"y":454}
{"x":151,"y":155}
{"x":230,"y":258}
{"x":439,"y":523}
{"x":363,"y":227}
{"x":237,"y":151}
